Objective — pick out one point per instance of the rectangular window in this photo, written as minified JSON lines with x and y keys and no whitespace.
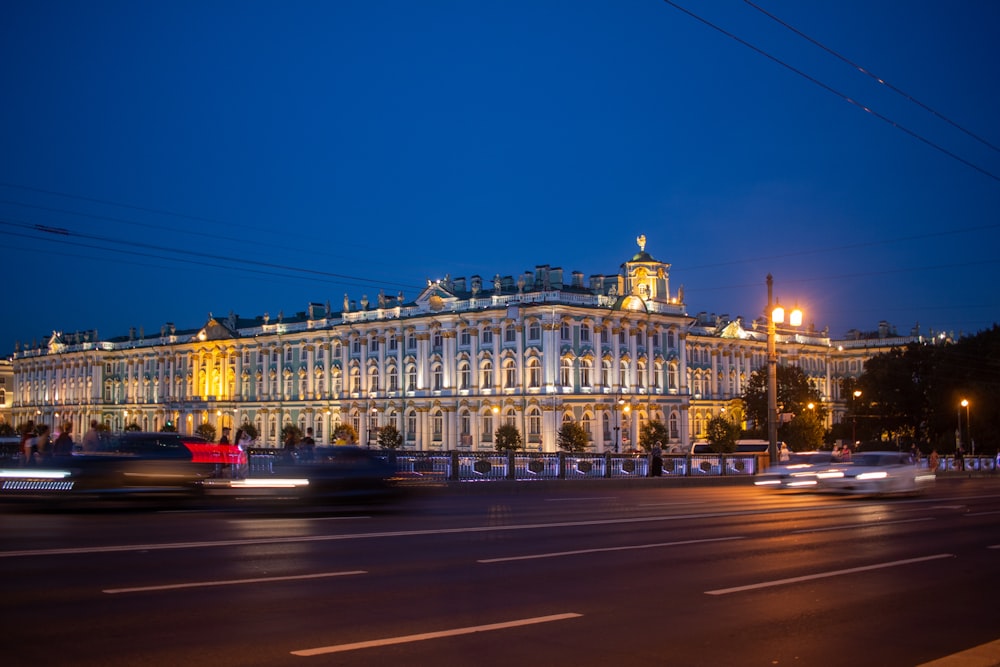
{"x":487,"y":336}
{"x":584,"y":334}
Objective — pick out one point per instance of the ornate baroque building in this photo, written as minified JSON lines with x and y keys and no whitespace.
{"x":446,"y":368}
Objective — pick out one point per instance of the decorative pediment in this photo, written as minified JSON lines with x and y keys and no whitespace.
{"x":734,"y":330}
{"x":215,"y":330}
{"x":435,"y":296}
{"x":55,"y":342}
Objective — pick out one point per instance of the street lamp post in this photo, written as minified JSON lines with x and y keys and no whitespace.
{"x":619,"y":402}
{"x":854,"y":419}
{"x":775,"y":316}
{"x":968,"y":427}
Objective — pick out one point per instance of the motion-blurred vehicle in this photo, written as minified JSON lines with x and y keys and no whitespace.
{"x":338,"y":473}
{"x":799,"y":473}
{"x":876,"y":473}
{"x":205,"y":451}
{"x":131,"y":463}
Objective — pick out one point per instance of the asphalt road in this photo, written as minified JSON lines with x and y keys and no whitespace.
{"x":554,"y":575}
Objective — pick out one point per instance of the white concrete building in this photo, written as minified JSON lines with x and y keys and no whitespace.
{"x":447,"y":367}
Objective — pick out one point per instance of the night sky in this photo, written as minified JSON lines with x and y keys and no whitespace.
{"x":160,"y":161}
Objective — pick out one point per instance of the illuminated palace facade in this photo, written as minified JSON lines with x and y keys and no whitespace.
{"x":446,"y":368}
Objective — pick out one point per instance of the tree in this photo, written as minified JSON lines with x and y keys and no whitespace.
{"x":651,"y":433}
{"x":250,"y":430}
{"x":6,"y":430}
{"x":133,"y":427}
{"x":795,"y":392}
{"x":168,"y":427}
{"x":722,"y":435}
{"x":291,"y":430}
{"x":804,"y":433}
{"x":572,"y":437}
{"x":344,"y":434}
{"x":389,"y":437}
{"x":507,"y":438}
{"x":206,"y":431}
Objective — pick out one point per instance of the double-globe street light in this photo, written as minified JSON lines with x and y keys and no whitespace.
{"x":775,"y":316}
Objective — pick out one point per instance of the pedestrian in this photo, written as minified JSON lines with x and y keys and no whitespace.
{"x":92,"y":439}
{"x":43,"y":443}
{"x":308,"y":445}
{"x":960,"y":458}
{"x":784,"y":456}
{"x":28,"y":443}
{"x":656,"y":464}
{"x":933,"y":460}
{"x":63,"y":446}
{"x":290,"y":446}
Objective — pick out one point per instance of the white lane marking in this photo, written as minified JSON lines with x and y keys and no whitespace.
{"x":853,"y":526}
{"x":981,"y":513}
{"x":388,"y":641}
{"x":231,"y":582}
{"x":557,"y":554}
{"x":823,"y":575}
{"x":70,"y":551}
{"x":994,"y":546}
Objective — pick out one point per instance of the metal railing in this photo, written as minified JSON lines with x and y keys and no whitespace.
{"x":489,"y":466}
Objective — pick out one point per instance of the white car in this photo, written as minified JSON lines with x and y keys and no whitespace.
{"x":870,"y":473}
{"x":796,"y":474}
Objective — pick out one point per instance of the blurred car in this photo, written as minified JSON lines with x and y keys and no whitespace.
{"x":340,"y":473}
{"x":205,"y":451}
{"x":876,"y":473}
{"x":799,"y":473}
{"x":130,"y":463}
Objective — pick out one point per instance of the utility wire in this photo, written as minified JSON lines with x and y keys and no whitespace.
{"x":836,"y":92}
{"x":62,"y":231}
{"x":878,"y":79}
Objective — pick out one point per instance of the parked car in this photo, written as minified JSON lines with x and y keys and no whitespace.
{"x":799,"y":473}
{"x":876,"y":473}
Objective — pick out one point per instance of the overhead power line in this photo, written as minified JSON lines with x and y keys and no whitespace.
{"x":868,"y":73}
{"x":836,"y":92}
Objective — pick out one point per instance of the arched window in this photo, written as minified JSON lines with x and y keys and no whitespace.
{"x":373,"y":378}
{"x":393,"y":378}
{"x":534,"y":425}
{"x":586,"y":365}
{"x":437,"y":376}
{"x":411,"y":378}
{"x":509,"y":374}
{"x":464,"y":375}
{"x":534,"y":373}
{"x":437,"y":426}
{"x":486,"y":372}
{"x":566,"y":372}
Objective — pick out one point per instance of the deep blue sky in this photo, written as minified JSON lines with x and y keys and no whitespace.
{"x":400,"y":141}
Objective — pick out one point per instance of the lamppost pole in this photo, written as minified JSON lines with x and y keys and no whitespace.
{"x":968,"y":427}
{"x":772,"y":377}
{"x":615,"y":407}
{"x":854,"y":419}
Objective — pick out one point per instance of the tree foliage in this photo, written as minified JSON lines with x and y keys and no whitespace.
{"x":804,"y":432}
{"x":250,"y":430}
{"x":206,"y":431}
{"x":133,"y":427}
{"x":913,"y":395}
{"x":795,"y":393}
{"x":291,"y":431}
{"x":651,"y":433}
{"x":507,"y":437}
{"x":389,"y":437}
{"x":572,"y":437}
{"x":722,"y":434}
{"x":7,"y":430}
